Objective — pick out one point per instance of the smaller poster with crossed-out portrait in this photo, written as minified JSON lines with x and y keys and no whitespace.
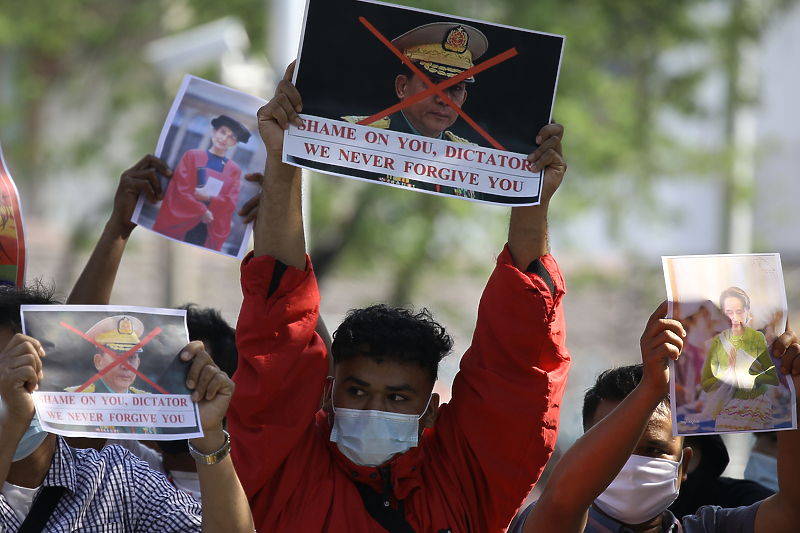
{"x":113,"y":372}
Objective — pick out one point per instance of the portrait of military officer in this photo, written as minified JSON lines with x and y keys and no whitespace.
{"x":440,"y":50}
{"x":119,"y":334}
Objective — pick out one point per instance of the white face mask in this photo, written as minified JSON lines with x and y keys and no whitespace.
{"x":762,"y":468}
{"x":644,"y":488}
{"x":371,"y":438}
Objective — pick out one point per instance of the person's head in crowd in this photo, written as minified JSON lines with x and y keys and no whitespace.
{"x":11,"y":299}
{"x":207,"y":325}
{"x":440,"y":50}
{"x":385,"y":359}
{"x":118,"y":334}
{"x":735,"y":305}
{"x":649,"y":481}
{"x":762,"y":465}
{"x":227,"y":132}
{"x":706,"y":485}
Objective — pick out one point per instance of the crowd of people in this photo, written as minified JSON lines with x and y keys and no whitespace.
{"x":293,"y":442}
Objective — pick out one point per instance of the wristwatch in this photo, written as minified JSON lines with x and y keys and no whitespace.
{"x":212,"y":458}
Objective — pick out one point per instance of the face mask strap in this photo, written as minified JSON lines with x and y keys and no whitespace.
{"x":426,"y":406}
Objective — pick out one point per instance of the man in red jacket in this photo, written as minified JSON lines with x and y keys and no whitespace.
{"x":382,"y":454}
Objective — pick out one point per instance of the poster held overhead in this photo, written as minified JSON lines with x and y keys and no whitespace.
{"x":209,"y":140}
{"x":113,"y":371}
{"x":726,"y":380}
{"x":13,"y":252}
{"x":398,"y":113}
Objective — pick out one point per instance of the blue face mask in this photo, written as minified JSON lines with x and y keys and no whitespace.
{"x":371,"y":438}
{"x":33,"y":438}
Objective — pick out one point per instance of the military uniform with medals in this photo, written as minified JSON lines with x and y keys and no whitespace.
{"x":442,"y":50}
{"x":119,"y":334}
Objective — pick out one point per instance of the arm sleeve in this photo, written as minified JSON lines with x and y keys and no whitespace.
{"x":763,"y":365}
{"x":282,"y":369}
{"x":148,"y":455}
{"x":180,"y":210}
{"x":712,"y":361}
{"x":185,"y":185}
{"x":500,"y":429}
{"x":160,"y":507}
{"x":712,"y":519}
{"x":222,"y":208}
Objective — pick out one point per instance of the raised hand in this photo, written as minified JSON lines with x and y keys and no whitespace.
{"x":279,"y":112}
{"x":20,"y":372}
{"x":549,"y":156}
{"x":212,"y":388}
{"x":140,"y":177}
{"x":661,"y":341}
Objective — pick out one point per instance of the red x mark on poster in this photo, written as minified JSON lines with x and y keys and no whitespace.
{"x":121,"y":359}
{"x":434,"y":88}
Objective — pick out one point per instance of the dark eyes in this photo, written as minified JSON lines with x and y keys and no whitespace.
{"x":655,"y":452}
{"x":355,"y":391}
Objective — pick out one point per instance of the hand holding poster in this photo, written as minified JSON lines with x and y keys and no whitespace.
{"x":732,"y":308}
{"x":13,"y":252}
{"x":210,"y":142}
{"x":397,"y":113}
{"x":113,"y":370}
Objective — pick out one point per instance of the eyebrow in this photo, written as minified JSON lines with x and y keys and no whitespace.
{"x":357,"y":381}
{"x":660,"y":443}
{"x":405,"y":387}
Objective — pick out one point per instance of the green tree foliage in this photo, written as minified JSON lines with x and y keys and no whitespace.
{"x":613,"y":87}
{"x":45,"y":43}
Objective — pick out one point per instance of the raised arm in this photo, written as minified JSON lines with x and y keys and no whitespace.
{"x":20,"y":372}
{"x":282,"y":361}
{"x":225,"y":506}
{"x":592,"y":463}
{"x":97,"y":279}
{"x":780,"y":513}
{"x":500,"y":428}
{"x":279,"y":229}
{"x":527,"y":233}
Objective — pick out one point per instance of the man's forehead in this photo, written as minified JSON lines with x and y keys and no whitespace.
{"x":385,"y":373}
{"x":659,"y":427}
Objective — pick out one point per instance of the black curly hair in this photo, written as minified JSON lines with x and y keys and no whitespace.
{"x":613,"y":385}
{"x":12,"y":298}
{"x":207,"y":324}
{"x":392,"y":333}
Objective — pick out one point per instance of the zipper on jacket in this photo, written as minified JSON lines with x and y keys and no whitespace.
{"x":387,"y":487}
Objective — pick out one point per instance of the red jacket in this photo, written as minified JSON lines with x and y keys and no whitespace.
{"x":181,"y":211}
{"x":469,"y":473}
